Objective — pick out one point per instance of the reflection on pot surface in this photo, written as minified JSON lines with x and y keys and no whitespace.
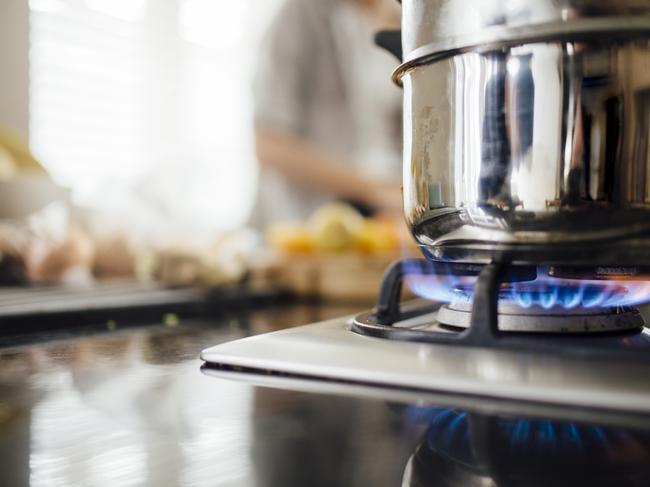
{"x":530,"y":145}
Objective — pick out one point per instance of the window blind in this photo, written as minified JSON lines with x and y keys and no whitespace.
{"x":141,"y":99}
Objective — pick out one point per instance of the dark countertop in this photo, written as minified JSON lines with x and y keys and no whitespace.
{"x":132,"y":407}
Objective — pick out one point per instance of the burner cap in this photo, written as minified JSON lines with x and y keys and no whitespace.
{"x":542,"y":320}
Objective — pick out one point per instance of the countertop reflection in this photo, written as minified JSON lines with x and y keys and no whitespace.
{"x":131,"y":407}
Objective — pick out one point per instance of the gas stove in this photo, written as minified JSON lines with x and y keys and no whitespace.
{"x":525,"y":187}
{"x":557,"y":336}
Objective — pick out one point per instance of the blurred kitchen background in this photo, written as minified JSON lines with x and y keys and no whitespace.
{"x":127,"y":147}
{"x":121,"y":98}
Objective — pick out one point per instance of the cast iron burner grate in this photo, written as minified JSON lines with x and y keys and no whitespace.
{"x":629,"y":342}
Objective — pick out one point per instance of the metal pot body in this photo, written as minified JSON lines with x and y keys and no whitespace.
{"x":536,"y":150}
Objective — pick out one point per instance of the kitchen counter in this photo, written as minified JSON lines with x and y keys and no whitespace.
{"x":131,"y":407}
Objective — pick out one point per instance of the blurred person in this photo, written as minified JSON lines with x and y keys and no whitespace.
{"x":327,"y":115}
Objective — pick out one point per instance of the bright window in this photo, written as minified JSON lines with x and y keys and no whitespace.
{"x":136,"y":102}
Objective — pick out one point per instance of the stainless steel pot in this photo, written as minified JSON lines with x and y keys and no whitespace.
{"x":526,"y":129}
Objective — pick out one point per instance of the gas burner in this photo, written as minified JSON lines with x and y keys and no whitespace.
{"x":487,"y":315}
{"x":536,"y":319}
{"x":403,"y":346}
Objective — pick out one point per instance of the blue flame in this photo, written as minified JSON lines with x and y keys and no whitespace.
{"x":545,"y":292}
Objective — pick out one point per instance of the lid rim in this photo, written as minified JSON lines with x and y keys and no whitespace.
{"x":497,"y":38}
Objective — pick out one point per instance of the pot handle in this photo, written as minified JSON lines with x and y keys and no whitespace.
{"x":391,"y":40}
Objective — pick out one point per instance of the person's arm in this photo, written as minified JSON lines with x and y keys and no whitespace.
{"x":280,"y":91}
{"x":310,"y":167}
